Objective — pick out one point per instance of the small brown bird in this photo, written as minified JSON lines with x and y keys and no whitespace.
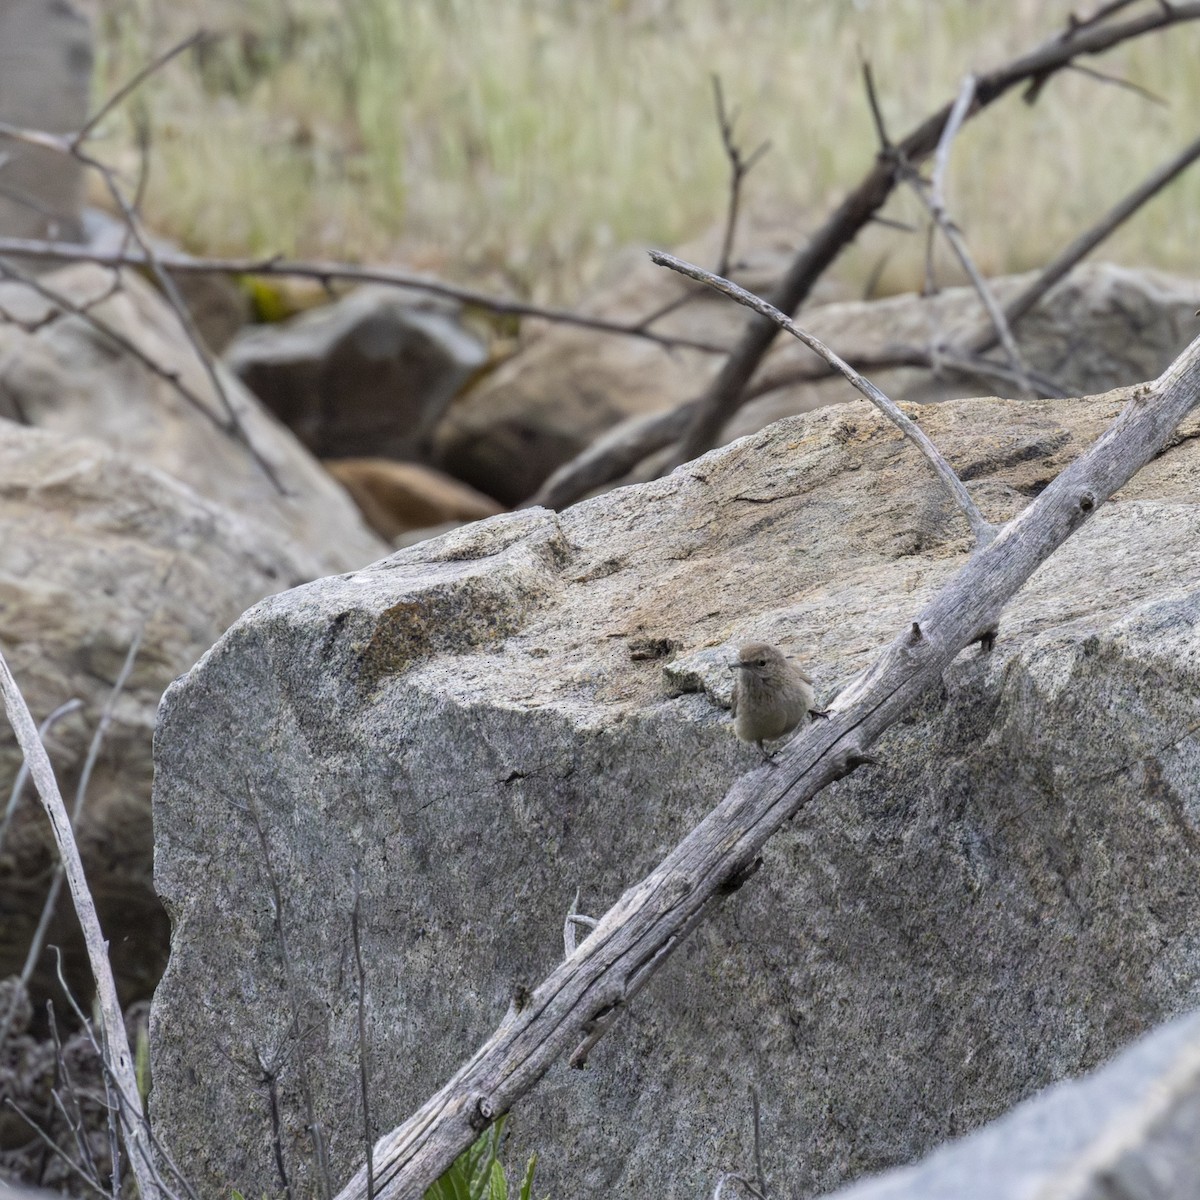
{"x":771,"y":695}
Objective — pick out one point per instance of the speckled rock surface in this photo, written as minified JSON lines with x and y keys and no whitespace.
{"x":484,"y":723}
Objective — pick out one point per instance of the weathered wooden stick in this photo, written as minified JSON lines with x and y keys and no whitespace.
{"x":117,"y":1056}
{"x":653,"y":917}
{"x":982,"y":530}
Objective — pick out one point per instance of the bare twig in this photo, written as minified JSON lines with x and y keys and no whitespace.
{"x":1118,"y":81}
{"x":18,"y":787}
{"x":1083,"y":245}
{"x":739,"y":167}
{"x":363,"y":1068}
{"x":56,"y":1150}
{"x":934,"y":198}
{"x":67,"y":305}
{"x":329,"y":272}
{"x":982,"y":530}
{"x":651,"y":919}
{"x":127,"y":89}
{"x":85,"y":776}
{"x":315,"y":1130}
{"x":116,"y":1043}
{"x":724,"y":394}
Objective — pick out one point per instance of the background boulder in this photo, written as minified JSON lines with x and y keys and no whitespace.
{"x":1100,"y":328}
{"x":370,"y":374}
{"x":45,"y":76}
{"x":481,"y":725}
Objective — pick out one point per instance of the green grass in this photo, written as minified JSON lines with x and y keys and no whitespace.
{"x":519,"y":142}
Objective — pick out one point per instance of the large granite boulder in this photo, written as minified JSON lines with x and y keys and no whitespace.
{"x":481,"y":725}
{"x":45,"y":76}
{"x":1100,"y":328}
{"x":369,"y":374}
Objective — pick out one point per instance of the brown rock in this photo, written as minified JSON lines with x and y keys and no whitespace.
{"x":396,"y":497}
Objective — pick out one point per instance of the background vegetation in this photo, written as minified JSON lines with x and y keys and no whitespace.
{"x":521,"y":141}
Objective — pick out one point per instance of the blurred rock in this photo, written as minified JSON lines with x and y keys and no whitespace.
{"x":370,"y":374}
{"x":1102,"y":327}
{"x":396,"y":497}
{"x":220,"y":307}
{"x":482,"y":724}
{"x":45,"y":76}
{"x":62,"y":374}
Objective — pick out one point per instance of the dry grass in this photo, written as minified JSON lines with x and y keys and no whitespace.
{"x":522,"y":140}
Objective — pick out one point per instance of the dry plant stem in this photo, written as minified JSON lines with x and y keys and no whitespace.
{"x":18,"y":787}
{"x":328,"y":273}
{"x":135,"y":82}
{"x":116,"y":1043}
{"x":1083,"y":245}
{"x":981,"y":529}
{"x":935,"y":201}
{"x":651,"y":919}
{"x":1089,"y":37}
{"x":363,"y":1063}
{"x":51,"y":902}
{"x":8,"y":271}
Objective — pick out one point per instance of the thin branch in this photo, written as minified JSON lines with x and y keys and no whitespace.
{"x":1118,"y":81}
{"x":1083,"y":245}
{"x":55,"y":1149}
{"x":138,"y":79}
{"x":329,"y":272}
{"x":739,"y":167}
{"x":18,"y":787}
{"x":51,"y":902}
{"x":67,"y":305}
{"x":118,"y":1056}
{"x":363,"y":1081}
{"x":934,"y":200}
{"x":724,"y":394}
{"x":981,"y":529}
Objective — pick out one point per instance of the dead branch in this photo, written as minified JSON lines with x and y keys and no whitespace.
{"x":117,"y":1056}
{"x":1092,"y":36}
{"x":620,"y":449}
{"x":653,"y":917}
{"x":1083,"y":245}
{"x":934,"y":199}
{"x":328,"y":273}
{"x":981,"y":529}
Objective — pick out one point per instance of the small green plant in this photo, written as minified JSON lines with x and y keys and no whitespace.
{"x":478,"y":1174}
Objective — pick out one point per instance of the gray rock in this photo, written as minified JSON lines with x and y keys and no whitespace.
{"x":1102,"y":327}
{"x":95,"y":547}
{"x":370,"y":374}
{"x":1131,"y":1130}
{"x":482,"y":724}
{"x":60,"y":374}
{"x":45,"y":75}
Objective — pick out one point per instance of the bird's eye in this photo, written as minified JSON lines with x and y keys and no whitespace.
{"x":760,"y":662}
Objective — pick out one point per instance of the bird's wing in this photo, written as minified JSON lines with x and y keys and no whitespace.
{"x":801,"y":672}
{"x":733,"y":698}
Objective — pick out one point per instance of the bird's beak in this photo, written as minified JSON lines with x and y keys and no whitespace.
{"x":736,"y":666}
